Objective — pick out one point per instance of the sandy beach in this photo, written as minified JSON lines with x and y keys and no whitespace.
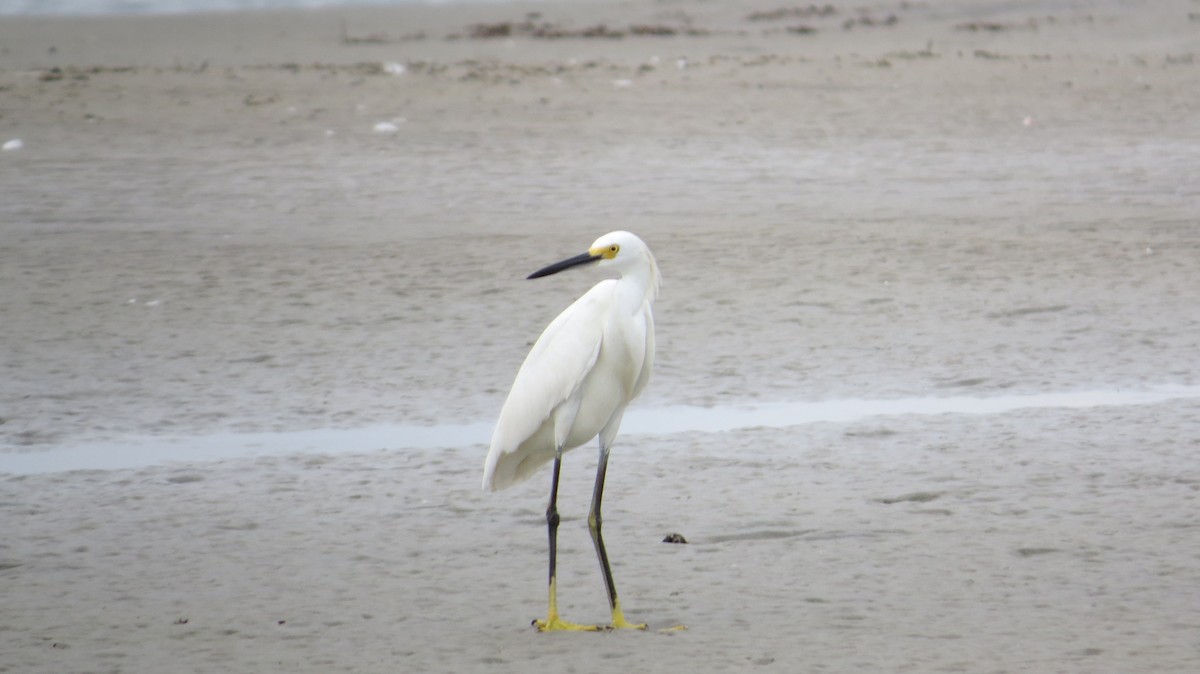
{"x":257,"y":224}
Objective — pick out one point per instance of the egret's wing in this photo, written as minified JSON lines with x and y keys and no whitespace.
{"x":553,"y":370}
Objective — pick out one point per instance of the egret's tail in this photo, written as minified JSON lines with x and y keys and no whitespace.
{"x":504,"y":468}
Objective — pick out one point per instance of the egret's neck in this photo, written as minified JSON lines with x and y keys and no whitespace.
{"x":638,"y":286}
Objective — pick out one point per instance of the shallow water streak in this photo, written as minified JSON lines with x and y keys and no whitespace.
{"x":136,"y":452}
{"x":682,"y":418}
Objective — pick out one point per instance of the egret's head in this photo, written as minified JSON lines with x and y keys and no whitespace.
{"x":622,"y":251}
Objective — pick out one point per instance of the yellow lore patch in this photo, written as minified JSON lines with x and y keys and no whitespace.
{"x":607,"y":252}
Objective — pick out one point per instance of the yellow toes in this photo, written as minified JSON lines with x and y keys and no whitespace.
{"x":556,"y":624}
{"x":620,"y":623}
{"x":618,"y":619}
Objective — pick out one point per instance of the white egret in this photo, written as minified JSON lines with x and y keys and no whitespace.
{"x":574,"y":385}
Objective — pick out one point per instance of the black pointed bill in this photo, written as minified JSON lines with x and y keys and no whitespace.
{"x":582,"y":258}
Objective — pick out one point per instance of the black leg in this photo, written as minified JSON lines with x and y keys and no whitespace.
{"x":553,"y":621}
{"x":594,"y":522}
{"x":552,"y":518}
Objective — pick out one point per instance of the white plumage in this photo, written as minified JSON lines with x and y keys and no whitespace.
{"x":587,"y":365}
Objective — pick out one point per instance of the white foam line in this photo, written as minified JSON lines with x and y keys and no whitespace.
{"x":138,"y":452}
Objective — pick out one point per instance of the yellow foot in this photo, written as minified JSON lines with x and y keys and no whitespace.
{"x":620,"y":623}
{"x":556,"y":624}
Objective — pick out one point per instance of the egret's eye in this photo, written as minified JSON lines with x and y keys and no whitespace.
{"x":614,"y":248}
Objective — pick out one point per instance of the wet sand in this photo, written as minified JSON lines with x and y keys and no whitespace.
{"x":204,"y":233}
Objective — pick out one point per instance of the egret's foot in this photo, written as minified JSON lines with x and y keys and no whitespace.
{"x":556,"y":624}
{"x":620,"y":623}
{"x":618,"y":619}
{"x":676,"y":628}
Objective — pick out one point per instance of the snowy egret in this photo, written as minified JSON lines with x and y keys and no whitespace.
{"x":588,"y":364}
